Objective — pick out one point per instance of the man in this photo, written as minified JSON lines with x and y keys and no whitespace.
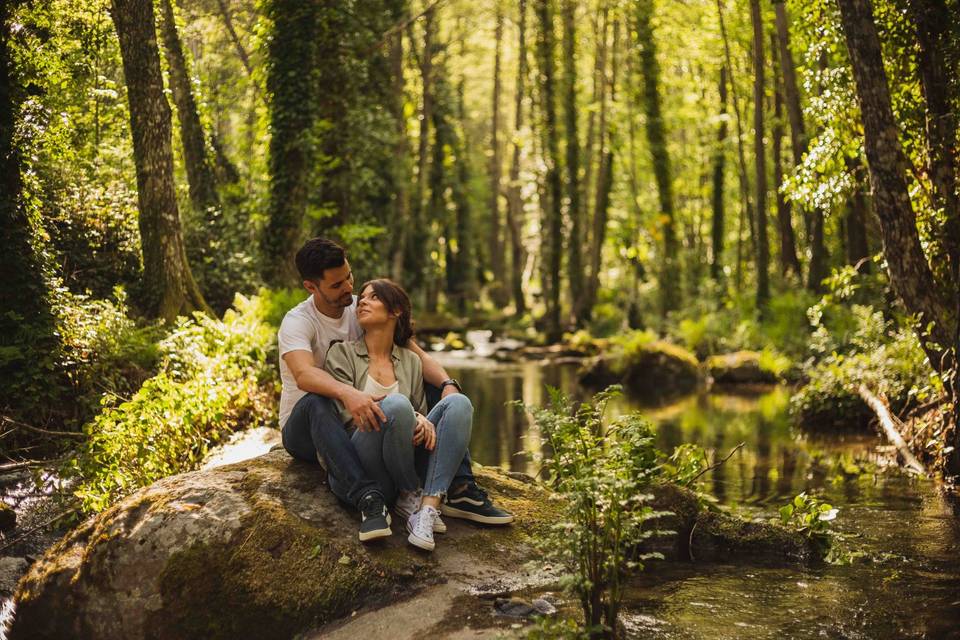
{"x":309,"y":420}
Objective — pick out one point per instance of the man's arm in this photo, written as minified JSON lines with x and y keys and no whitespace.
{"x":312,"y":379}
{"x":433,"y":373}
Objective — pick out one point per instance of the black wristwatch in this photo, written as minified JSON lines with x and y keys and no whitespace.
{"x":450,"y":381}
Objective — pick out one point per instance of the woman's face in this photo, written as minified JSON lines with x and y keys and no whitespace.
{"x":371,"y":312}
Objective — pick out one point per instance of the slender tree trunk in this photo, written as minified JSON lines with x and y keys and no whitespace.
{"x":401,"y":151}
{"x":789,"y":263}
{"x":498,"y":291}
{"x":418,"y":238}
{"x":746,"y":213}
{"x":465,"y":289}
{"x":932,"y":19}
{"x":813,"y":220}
{"x":196,"y":159}
{"x":553,"y":213}
{"x":601,"y":25}
{"x":168,"y":282}
{"x":760,"y":157}
{"x":515,"y":201}
{"x":719,"y":174}
{"x":910,"y":274}
{"x":574,"y":213}
{"x":858,"y":249}
{"x":292,"y":86}
{"x":657,"y":139}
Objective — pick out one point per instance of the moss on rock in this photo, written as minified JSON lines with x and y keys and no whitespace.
{"x":654,"y":369}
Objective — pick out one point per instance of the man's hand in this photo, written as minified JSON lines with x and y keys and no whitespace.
{"x":367,"y":414}
{"x":424,"y":432}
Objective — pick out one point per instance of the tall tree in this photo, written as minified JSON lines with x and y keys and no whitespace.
{"x":418,"y":237}
{"x":200,"y":176}
{"x":657,"y":140}
{"x":932,"y":19}
{"x":858,"y":248}
{"x":498,"y":291}
{"x":719,"y":174}
{"x":401,"y":149}
{"x":746,"y":212}
{"x":168,"y":283}
{"x":760,"y":156}
{"x":292,"y":85}
{"x":789,"y":262}
{"x":910,"y":274}
{"x":552,"y":238}
{"x":570,"y":113}
{"x":518,"y":256}
{"x":798,"y":142}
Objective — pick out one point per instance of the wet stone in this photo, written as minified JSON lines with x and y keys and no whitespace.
{"x":8,"y":517}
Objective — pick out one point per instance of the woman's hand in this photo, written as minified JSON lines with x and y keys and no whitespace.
{"x":424,"y":433}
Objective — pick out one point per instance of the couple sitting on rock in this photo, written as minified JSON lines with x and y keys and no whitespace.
{"x":354,"y":399}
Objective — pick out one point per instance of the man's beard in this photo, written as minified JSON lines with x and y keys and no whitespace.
{"x":343,"y":301}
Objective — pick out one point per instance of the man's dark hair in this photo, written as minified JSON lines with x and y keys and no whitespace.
{"x":318,"y":255}
{"x":396,"y":300}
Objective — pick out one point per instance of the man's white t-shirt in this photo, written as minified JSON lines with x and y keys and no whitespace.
{"x":306,"y":329}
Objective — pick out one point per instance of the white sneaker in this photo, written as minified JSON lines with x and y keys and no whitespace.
{"x":439,"y":526}
{"x":420,"y":526}
{"x":408,"y":502}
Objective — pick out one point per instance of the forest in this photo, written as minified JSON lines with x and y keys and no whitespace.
{"x":672,"y":194}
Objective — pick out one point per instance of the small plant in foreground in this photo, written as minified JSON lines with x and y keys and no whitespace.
{"x":810,"y":516}
{"x":601,"y":478}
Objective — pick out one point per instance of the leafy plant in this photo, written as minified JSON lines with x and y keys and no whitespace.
{"x":601,"y":477}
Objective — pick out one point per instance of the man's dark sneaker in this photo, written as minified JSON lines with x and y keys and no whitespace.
{"x":473,"y":504}
{"x":376,"y":518}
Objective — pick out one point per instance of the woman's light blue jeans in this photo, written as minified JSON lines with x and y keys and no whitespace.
{"x":389,"y":457}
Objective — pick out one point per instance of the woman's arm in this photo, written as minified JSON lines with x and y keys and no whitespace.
{"x":433,"y":372}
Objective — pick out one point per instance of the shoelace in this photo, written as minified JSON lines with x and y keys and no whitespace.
{"x":373,"y":506}
{"x":421,"y":528}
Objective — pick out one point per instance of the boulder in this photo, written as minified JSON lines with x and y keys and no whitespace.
{"x":261,"y":549}
{"x":653,"y":370}
{"x":739,"y":367}
{"x":8,"y":517}
{"x":257,"y":549}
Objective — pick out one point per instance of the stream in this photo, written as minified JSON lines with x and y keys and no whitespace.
{"x":903,"y":579}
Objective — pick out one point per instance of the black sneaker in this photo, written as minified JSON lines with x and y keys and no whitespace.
{"x":376,"y":518}
{"x":473,"y":504}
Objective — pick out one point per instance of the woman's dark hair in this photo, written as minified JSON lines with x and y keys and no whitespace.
{"x":318,"y":255}
{"x":396,"y":300}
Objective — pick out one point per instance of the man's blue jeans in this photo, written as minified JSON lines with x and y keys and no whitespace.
{"x":314,"y":430}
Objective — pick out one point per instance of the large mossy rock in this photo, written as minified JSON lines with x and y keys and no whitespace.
{"x":739,"y":367}
{"x":258,"y":549}
{"x":261,"y":549}
{"x":656,"y":369}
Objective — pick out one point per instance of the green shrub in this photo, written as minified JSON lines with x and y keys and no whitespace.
{"x":214,"y":379}
{"x":888,"y":359}
{"x":601,"y":478}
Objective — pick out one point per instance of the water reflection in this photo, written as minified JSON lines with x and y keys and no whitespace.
{"x":909,"y":588}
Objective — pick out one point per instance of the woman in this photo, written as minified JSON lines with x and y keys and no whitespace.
{"x":412,"y":456}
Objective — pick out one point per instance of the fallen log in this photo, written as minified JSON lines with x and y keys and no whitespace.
{"x":889,"y":424}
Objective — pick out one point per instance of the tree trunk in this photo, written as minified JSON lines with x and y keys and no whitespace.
{"x":401,"y":151}
{"x":760,"y":158}
{"x":498,"y":290}
{"x":931,"y":19}
{"x":599,"y":64}
{"x":168,"y":282}
{"x":515,"y":202}
{"x":858,"y":247}
{"x":552,"y":212}
{"x":574,"y":213}
{"x":746,"y":213}
{"x":418,"y":238}
{"x":813,"y":220}
{"x":789,"y":263}
{"x":910,"y":275}
{"x":657,"y":139}
{"x":719,"y":171}
{"x":465,"y":288}
{"x":292,"y":86}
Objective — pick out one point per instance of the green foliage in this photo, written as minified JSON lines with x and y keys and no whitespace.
{"x":854,"y":344}
{"x":810,"y":516}
{"x":212,"y":381}
{"x":685,"y":464}
{"x":602,"y":478}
